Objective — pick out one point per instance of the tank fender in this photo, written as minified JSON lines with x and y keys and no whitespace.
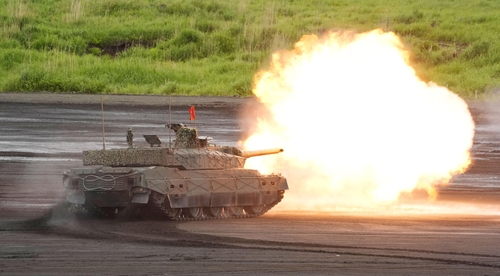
{"x":185,"y":200}
{"x":76,"y":198}
{"x":283,"y":185}
{"x":141,"y":198}
{"x":140,"y":195}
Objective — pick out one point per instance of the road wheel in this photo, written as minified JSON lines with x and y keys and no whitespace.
{"x":254,"y":209}
{"x":172,"y":212}
{"x":233,"y":211}
{"x":108,"y":212}
{"x":193,"y":212}
{"x":214,"y":212}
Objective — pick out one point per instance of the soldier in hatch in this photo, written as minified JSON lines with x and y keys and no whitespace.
{"x":130,"y":138}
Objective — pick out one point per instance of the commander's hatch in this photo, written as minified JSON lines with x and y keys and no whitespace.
{"x":153,"y":140}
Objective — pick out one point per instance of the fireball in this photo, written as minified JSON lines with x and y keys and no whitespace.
{"x":359,"y":128}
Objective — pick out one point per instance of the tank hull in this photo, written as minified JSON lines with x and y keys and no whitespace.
{"x":172,"y":191}
{"x":101,"y":199}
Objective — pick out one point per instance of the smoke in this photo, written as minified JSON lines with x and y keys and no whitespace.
{"x":359,"y":128}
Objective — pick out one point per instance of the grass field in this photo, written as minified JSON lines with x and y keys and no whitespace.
{"x":214,"y":47}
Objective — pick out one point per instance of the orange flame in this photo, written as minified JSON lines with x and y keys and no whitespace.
{"x":358,"y":126}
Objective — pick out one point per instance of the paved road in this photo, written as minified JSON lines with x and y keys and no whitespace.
{"x":40,"y":138}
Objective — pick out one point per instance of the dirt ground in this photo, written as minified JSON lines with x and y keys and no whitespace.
{"x":42,"y":135}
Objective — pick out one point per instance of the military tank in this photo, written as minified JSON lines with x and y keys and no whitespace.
{"x":189,"y":179}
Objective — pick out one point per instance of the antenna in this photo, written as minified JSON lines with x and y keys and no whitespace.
{"x":102,"y":114}
{"x":169,"y":122}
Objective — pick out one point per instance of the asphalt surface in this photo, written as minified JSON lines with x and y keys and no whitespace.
{"x":42,"y":135}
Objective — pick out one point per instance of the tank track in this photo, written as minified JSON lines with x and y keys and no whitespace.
{"x":68,"y":210}
{"x":156,"y":209}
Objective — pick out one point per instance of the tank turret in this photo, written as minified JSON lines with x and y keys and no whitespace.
{"x":187,"y":153}
{"x":187,"y":179}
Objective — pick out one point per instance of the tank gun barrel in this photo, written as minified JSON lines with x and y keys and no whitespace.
{"x":253,"y":153}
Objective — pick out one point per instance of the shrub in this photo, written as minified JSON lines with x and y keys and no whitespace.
{"x":76,"y":45}
{"x":417,"y":29}
{"x":169,"y":88}
{"x":11,"y":58}
{"x":410,"y":18}
{"x":35,"y":80}
{"x":178,"y":7}
{"x":29,"y":30}
{"x":183,"y":53}
{"x":224,"y":44}
{"x":118,"y":7}
{"x":205,"y":26}
{"x":477,"y":49}
{"x":46,"y":43}
{"x":186,"y":37}
{"x":95,"y":51}
{"x":9,"y":44}
{"x":29,"y":80}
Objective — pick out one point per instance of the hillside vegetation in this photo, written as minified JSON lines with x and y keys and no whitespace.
{"x":214,"y":47}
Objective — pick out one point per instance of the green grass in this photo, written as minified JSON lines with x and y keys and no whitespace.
{"x":214,"y":47}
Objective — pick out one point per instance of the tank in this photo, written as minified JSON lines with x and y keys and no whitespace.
{"x":187,"y":179}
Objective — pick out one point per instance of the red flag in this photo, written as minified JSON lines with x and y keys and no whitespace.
{"x":192,"y":114}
